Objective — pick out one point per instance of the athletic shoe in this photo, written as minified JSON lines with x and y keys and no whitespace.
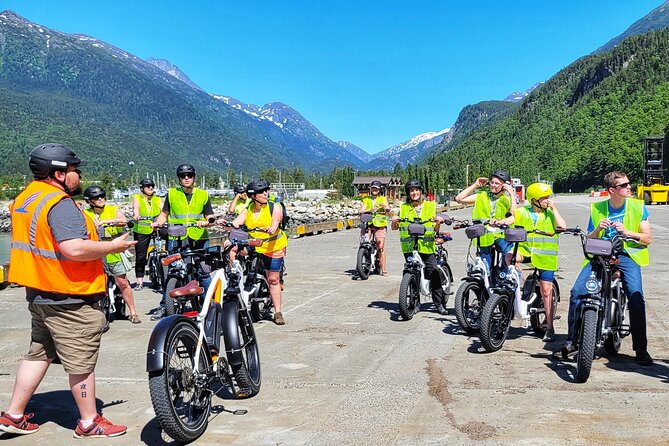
{"x":100,"y":428}
{"x":549,"y":336}
{"x":567,"y":350}
{"x":442,"y":310}
{"x":644,"y":359}
{"x":20,"y":426}
{"x":278,"y":319}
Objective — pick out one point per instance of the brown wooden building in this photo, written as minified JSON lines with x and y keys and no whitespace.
{"x":392,"y":186}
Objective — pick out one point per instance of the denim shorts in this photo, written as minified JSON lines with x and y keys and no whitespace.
{"x":272,"y":264}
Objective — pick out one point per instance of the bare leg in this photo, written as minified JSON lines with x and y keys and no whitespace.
{"x":28,"y":377}
{"x":547,"y":296}
{"x":274,"y":289}
{"x":381,"y":244}
{"x":124,"y":285}
{"x":83,"y":390}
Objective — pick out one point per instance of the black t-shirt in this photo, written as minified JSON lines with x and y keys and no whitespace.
{"x":67,"y":222}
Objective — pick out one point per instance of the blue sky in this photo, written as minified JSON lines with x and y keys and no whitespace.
{"x":374,"y":73}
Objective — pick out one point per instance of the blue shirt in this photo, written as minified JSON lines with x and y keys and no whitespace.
{"x":616,"y":215}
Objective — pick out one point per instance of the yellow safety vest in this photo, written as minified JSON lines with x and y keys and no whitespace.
{"x":182,"y":212}
{"x":426,"y":242}
{"x":380,"y":221}
{"x":542,"y":248}
{"x":271,"y":242}
{"x":484,"y":211}
{"x":111,"y":232}
{"x":147,"y":209}
{"x":631,"y":220}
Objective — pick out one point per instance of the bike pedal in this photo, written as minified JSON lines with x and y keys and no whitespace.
{"x":624,"y":331}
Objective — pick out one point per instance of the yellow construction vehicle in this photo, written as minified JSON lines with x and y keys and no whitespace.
{"x":653,"y":189}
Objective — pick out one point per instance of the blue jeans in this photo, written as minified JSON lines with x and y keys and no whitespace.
{"x":635,"y":301}
{"x":502,"y":246}
{"x":171,"y":247}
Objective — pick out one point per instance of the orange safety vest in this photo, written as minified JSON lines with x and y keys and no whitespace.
{"x":35,"y":259}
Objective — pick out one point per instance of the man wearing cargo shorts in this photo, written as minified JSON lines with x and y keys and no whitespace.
{"x":59,"y":263}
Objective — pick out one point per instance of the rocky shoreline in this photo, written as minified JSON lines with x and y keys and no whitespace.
{"x":300,"y":212}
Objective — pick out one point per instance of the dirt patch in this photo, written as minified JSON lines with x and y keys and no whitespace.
{"x":438,"y":388}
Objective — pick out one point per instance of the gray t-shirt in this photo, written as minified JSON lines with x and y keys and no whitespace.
{"x":67,"y":222}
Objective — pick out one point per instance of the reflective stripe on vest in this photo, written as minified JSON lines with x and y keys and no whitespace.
{"x":542,"y":248}
{"x":147,"y":209}
{"x":425,"y":242}
{"x":182,"y":212}
{"x":483,"y":210}
{"x":41,"y":265}
{"x":271,"y":242}
{"x":631,"y":221}
{"x":110,"y":232}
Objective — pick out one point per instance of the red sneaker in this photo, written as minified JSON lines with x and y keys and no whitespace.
{"x":100,"y":428}
{"x":21,"y":426}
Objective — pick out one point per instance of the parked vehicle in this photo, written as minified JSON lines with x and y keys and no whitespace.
{"x":475,"y":290}
{"x":600,"y":316}
{"x":509,"y":298}
{"x":414,"y":283}
{"x":367,"y":260}
{"x":186,"y":360}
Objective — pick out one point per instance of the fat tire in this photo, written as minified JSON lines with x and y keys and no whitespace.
{"x":495,"y":322}
{"x":613,"y":342}
{"x":162,"y":382}
{"x":469,"y":322}
{"x":363,"y":264}
{"x":170,"y":304}
{"x":538,"y":318}
{"x":407,"y":298}
{"x":248,"y":377}
{"x":262,"y":308}
{"x":587,"y":344}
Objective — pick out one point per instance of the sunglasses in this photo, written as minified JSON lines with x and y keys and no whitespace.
{"x":186,"y":175}
{"x":620,"y":186}
{"x":149,"y":187}
{"x":101,"y":197}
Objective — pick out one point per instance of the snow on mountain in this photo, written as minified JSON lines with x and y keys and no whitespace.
{"x":518,"y":96}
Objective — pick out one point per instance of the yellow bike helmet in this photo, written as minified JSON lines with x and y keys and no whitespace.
{"x":535,"y":191}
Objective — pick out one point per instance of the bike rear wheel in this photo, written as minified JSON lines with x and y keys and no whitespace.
{"x":171,"y":306}
{"x":538,"y":316}
{"x":586,"y":345}
{"x":181,"y":398}
{"x":261,"y":306}
{"x":363,"y":264}
{"x":468,"y":306}
{"x":495,"y":322}
{"x":409,"y":298}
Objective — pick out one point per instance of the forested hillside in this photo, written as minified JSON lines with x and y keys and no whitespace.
{"x":585,"y":121}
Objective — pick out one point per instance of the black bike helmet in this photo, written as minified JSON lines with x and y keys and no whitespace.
{"x":239,"y":189}
{"x":185,"y":168}
{"x":413,"y":183}
{"x":146,"y":182}
{"x":257,"y":186}
{"x":93,"y":192}
{"x":46,"y":158}
{"x":376,"y":183}
{"x":502,"y":175}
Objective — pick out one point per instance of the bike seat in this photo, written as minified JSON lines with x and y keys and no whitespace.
{"x":169,"y":259}
{"x":192,"y":287}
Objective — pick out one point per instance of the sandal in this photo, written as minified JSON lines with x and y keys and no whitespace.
{"x":134,"y":319}
{"x":384,"y":273}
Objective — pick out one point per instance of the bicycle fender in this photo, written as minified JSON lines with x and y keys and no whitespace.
{"x":156,"y":351}
{"x":231,"y":333}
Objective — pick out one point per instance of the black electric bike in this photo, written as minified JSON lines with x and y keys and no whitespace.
{"x":367,"y":260}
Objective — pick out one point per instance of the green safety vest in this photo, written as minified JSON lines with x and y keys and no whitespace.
{"x":380,"y":221}
{"x":543,"y":249}
{"x":631,"y":220}
{"x":182,"y":212}
{"x":111,"y":232}
{"x":241,"y":206}
{"x":426,"y":242}
{"x":484,"y":211}
{"x":147,"y":208}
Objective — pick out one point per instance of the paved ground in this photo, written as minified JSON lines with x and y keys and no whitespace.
{"x":345,"y":370}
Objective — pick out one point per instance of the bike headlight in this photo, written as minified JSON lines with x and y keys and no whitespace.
{"x":410,"y":259}
{"x":592,"y":285}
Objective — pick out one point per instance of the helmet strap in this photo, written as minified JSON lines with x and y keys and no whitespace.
{"x":536,"y":204}
{"x":90,"y":203}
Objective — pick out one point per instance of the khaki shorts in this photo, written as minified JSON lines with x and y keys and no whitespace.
{"x":379,"y":233}
{"x":116,"y":269}
{"x":69,"y":332}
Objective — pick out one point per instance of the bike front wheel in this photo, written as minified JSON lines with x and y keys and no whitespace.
{"x":586,"y":345}
{"x":538,"y":316}
{"x":180,"y":395}
{"x":468,"y":306}
{"x":363,"y":264}
{"x":409,"y":298}
{"x":247,"y":374}
{"x":171,"y":306}
{"x":261,"y":306}
{"x":495,"y":321}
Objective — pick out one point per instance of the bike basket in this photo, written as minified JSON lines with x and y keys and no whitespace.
{"x":238,"y":234}
{"x":416,"y":229}
{"x":515,"y":235}
{"x":176,"y":230}
{"x":365,"y":218}
{"x":474,"y":231}
{"x":598,"y":247}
